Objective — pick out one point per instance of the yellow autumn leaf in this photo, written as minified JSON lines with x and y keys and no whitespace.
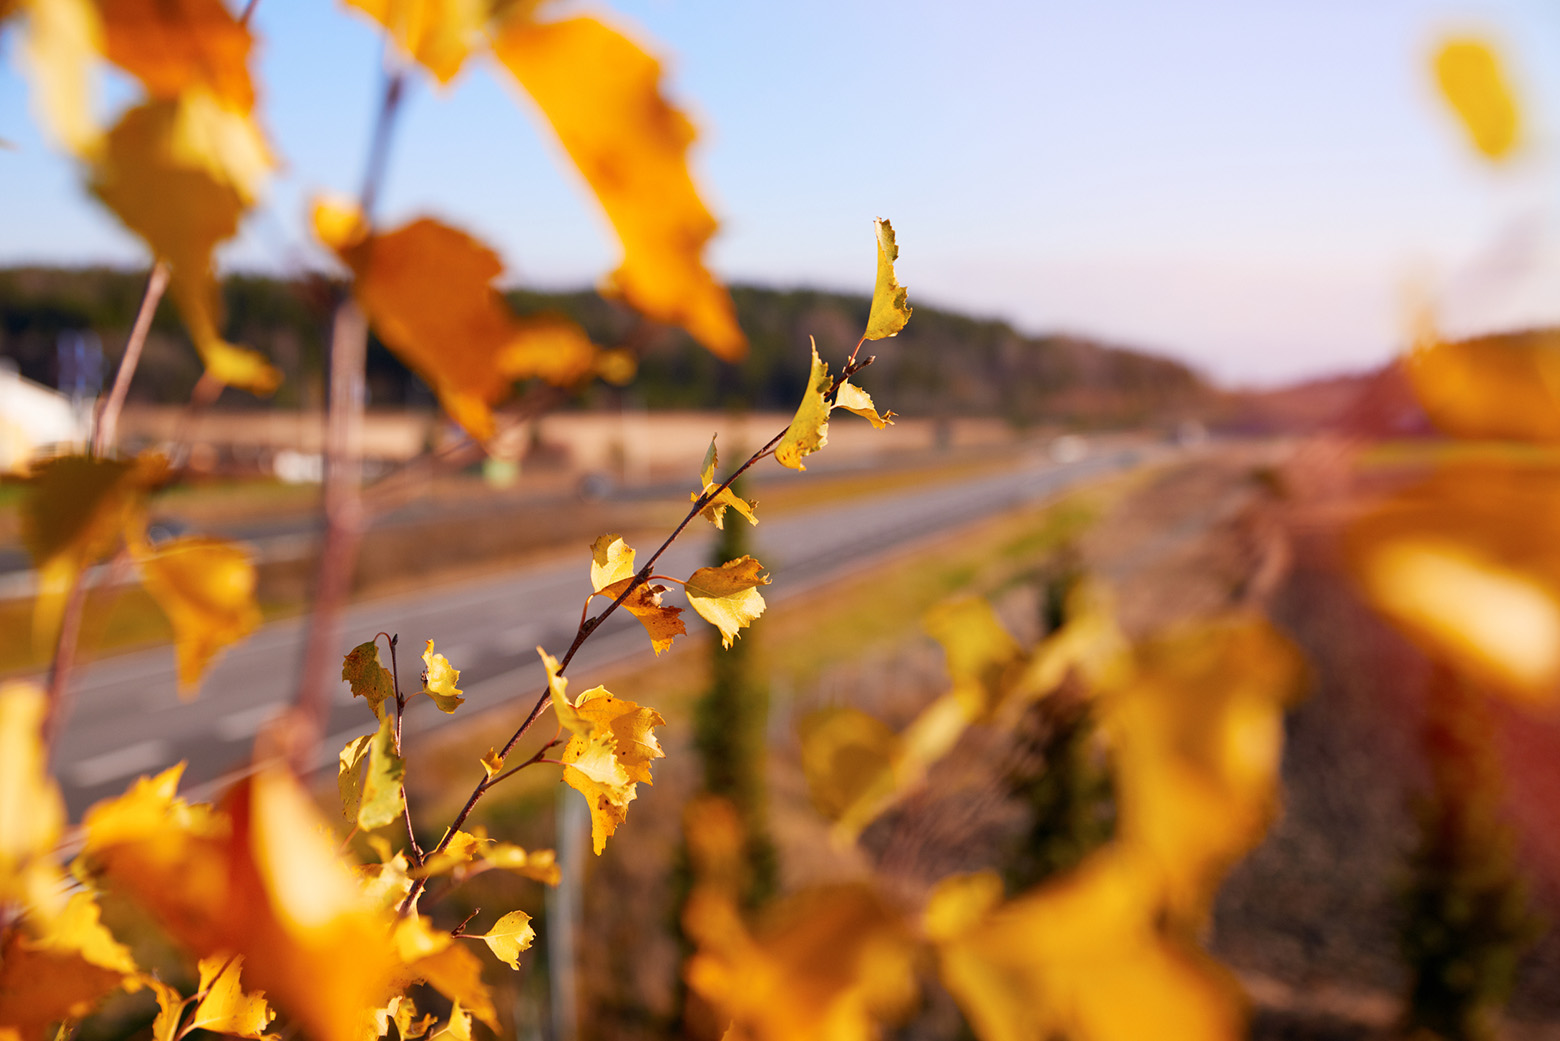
{"x":540,"y":865}
{"x":809,"y":429}
{"x":260,"y":877}
{"x":175,"y":46}
{"x":362,"y":670}
{"x":468,"y":852}
{"x":610,"y":749}
{"x":611,"y":561}
{"x":32,"y":813}
{"x":852,"y":398}
{"x":1472,"y":82}
{"x":429,"y":291}
{"x":602,"y":95}
{"x":714,"y":511}
{"x":382,"y":798}
{"x":62,"y":41}
{"x":438,"y":34}
{"x":492,"y":763}
{"x":1501,"y":387}
{"x":509,"y":936}
{"x":206,"y":587}
{"x":727,"y":596}
{"x":226,"y":1008}
{"x":644,"y":603}
{"x":439,"y":679}
{"x":1444,"y":561}
{"x":458,"y":1027}
{"x":827,"y":964}
{"x":980,"y":652}
{"x":850,"y":760}
{"x":431,"y":956}
{"x":890,"y":311}
{"x":180,"y":173}
{"x":349,"y":775}
{"x":170,"y":1008}
{"x":74,"y":514}
{"x":1196,"y":735}
{"x":40,"y":986}
{"x":1077,"y":958}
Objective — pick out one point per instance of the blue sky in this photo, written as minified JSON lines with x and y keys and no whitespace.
{"x":1252,"y":187}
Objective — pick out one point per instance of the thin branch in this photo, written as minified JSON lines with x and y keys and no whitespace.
{"x":249,"y":12}
{"x":108,"y":413}
{"x":64,"y":662}
{"x":460,"y":929}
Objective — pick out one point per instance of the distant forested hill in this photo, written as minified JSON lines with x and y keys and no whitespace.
{"x":942,"y":364}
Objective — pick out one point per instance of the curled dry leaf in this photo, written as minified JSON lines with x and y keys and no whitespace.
{"x":602,"y":95}
{"x":890,"y":310}
{"x":439,"y":679}
{"x":714,"y":511}
{"x":809,"y":429}
{"x":852,"y":398}
{"x":367,"y":676}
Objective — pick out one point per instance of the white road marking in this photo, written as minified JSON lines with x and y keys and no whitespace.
{"x":246,"y":722}
{"x":121,"y":762}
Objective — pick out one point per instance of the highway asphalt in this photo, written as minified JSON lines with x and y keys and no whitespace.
{"x":126,"y":718}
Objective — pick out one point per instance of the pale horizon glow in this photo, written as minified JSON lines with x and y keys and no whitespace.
{"x":1255,"y":192}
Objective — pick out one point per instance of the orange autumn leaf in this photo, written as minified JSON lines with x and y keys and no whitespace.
{"x":260,"y":877}
{"x":206,"y":587}
{"x":428,"y":290}
{"x":644,"y":603}
{"x":172,"y":46}
{"x":1499,"y":387}
{"x":40,"y":986}
{"x":438,"y":34}
{"x":602,"y":95}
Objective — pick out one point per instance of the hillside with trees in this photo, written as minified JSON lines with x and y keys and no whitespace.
{"x":943,"y":364}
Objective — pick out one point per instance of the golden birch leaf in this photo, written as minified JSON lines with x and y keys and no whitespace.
{"x":632,"y":728}
{"x":979,"y":650}
{"x":60,"y":47}
{"x":540,"y":865}
{"x":1470,"y":77}
{"x":852,"y":398}
{"x":609,"y":753}
{"x":174,"y":46}
{"x":850,"y":760}
{"x":715,"y":510}
{"x":170,"y":1008}
{"x":1502,"y":387}
{"x":179,"y":174}
{"x":727,"y":596}
{"x":458,"y":1028}
{"x":433,"y":957}
{"x":75,"y":511}
{"x":611,"y":561}
{"x":439,"y":680}
{"x":226,"y":1008}
{"x":809,"y":429}
{"x":1197,"y":737}
{"x":509,"y":936}
{"x":644,"y":603}
{"x":40,"y":987}
{"x":601,"y":93}
{"x":367,"y":676}
{"x":438,"y":34}
{"x":492,"y":763}
{"x":1077,"y":958}
{"x":259,"y":877}
{"x":828,"y":964}
{"x":428,"y":290}
{"x":1445,"y":562}
{"x":383,"y":796}
{"x":890,"y":311}
{"x":32,"y":813}
{"x":349,"y":775}
{"x":206,"y":587}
